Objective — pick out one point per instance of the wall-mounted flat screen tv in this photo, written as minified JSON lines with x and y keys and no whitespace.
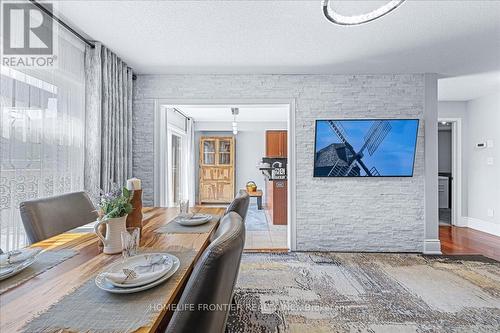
{"x":365,"y":147}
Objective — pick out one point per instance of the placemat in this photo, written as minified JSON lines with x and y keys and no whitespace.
{"x":45,"y":261}
{"x":175,"y":228}
{"x":90,"y":309}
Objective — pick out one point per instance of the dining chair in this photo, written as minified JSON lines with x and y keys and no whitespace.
{"x":240,"y":204}
{"x":205,"y":303}
{"x":47,"y":217}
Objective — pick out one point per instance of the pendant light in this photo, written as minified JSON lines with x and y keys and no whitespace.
{"x":235,"y":112}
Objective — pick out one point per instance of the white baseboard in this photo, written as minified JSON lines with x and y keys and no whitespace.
{"x":432,"y":246}
{"x":481,"y":225}
{"x":461,"y":221}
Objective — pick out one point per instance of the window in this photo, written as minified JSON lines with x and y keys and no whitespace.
{"x":42,"y":121}
{"x":176,"y":170}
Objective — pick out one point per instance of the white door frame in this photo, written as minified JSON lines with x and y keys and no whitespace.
{"x":160,"y":142}
{"x":173,"y":130}
{"x":456,"y":170}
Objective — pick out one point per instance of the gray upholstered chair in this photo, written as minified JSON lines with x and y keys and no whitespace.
{"x":212,"y":282}
{"x":239,"y":204}
{"x":47,"y":217}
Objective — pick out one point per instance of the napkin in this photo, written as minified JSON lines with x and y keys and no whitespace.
{"x":18,"y":256}
{"x":124,"y":277}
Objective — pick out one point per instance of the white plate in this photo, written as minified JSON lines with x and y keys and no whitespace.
{"x":134,"y":263}
{"x":104,"y":284}
{"x":16,"y":268}
{"x":197,"y":219}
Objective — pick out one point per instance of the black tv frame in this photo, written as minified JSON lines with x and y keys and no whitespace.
{"x":367,"y":119}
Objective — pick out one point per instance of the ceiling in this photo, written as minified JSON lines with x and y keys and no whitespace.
{"x":451,"y":38}
{"x":467,"y":87}
{"x":264,"y":113}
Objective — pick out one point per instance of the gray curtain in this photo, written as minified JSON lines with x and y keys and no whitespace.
{"x":108,"y":127}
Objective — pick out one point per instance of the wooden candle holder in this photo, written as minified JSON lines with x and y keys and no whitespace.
{"x":134,"y":219}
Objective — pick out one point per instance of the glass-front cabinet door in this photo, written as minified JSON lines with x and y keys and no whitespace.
{"x":224,"y":152}
{"x":209,"y":152}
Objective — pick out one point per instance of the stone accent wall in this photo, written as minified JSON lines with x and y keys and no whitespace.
{"x":335,"y":214}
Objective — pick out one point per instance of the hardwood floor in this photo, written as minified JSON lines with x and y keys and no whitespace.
{"x":458,"y":240}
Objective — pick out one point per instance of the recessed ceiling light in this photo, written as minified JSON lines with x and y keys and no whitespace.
{"x":338,"y":18}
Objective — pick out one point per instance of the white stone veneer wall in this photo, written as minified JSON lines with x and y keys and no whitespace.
{"x":351,"y":214}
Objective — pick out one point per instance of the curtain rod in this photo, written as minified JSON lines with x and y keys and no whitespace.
{"x":61,"y":22}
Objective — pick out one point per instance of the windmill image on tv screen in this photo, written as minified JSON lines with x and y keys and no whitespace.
{"x":365,"y":148}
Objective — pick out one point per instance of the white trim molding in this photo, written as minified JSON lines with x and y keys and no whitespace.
{"x":432,"y":246}
{"x":160,"y":137}
{"x":456,"y":171}
{"x":481,"y":225}
{"x":431,"y":225}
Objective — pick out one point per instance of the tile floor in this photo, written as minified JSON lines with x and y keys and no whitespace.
{"x":272,"y":237}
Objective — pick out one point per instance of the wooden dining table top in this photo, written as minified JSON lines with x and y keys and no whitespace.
{"x":22,"y":303}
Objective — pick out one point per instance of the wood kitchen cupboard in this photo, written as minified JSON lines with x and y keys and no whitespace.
{"x":276,"y":144}
{"x":216,"y":169}
{"x":276,"y":201}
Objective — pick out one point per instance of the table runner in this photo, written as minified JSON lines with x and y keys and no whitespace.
{"x":90,"y":309}
{"x":175,"y":228}
{"x":45,"y":261}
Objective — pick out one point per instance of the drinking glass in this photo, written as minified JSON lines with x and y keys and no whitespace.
{"x":130,"y":242}
{"x":184,"y":208}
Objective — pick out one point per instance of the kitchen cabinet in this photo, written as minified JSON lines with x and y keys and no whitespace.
{"x":276,"y":143}
{"x":216,"y":170}
{"x":277,"y":201}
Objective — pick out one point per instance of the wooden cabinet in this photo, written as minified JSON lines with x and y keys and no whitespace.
{"x":276,"y":144}
{"x":277,"y":201}
{"x":216,"y":170}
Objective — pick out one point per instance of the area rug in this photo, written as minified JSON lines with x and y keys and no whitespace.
{"x":256,"y":219}
{"x":357,"y":292}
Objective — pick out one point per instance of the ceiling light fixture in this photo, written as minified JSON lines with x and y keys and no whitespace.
{"x":337,"y":18}
{"x":235,"y":112}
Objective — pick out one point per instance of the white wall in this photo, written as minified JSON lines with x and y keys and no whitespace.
{"x":480,"y":181}
{"x":351,"y":214}
{"x":483,"y":122}
{"x":250,"y":148}
{"x":458,"y":110}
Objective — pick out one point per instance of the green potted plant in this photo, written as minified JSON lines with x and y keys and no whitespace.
{"x":113,"y":210}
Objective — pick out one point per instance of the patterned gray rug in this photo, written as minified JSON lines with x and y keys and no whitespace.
{"x":355,"y":292}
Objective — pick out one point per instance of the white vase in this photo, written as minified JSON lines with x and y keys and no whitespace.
{"x":114,"y":227}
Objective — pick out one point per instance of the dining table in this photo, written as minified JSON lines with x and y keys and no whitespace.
{"x":21,"y":304}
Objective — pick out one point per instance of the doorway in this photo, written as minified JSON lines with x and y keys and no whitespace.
{"x":248,"y":129}
{"x":176,"y":167}
{"x":450,"y":172}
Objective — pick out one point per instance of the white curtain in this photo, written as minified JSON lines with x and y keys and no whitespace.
{"x":191,"y":161}
{"x":108,"y":154}
{"x":42,"y":134}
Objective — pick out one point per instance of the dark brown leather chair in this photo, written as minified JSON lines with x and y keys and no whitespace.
{"x":239,"y":204}
{"x":47,"y":217}
{"x":212,"y":282}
